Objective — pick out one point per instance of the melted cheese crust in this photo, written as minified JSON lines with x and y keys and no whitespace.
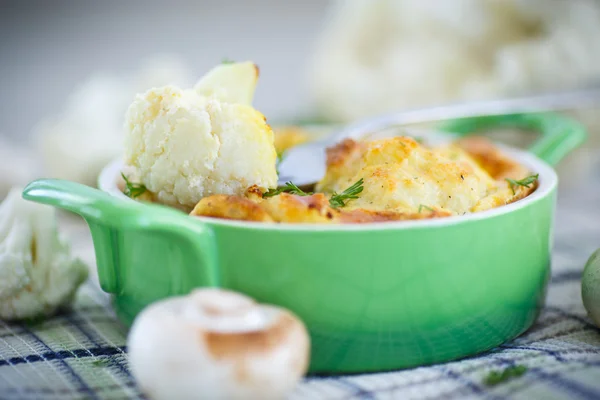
{"x":297,"y":209}
{"x":289,"y":136}
{"x":403,"y":180}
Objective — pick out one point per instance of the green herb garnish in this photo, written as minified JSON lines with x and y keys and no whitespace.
{"x":423,"y":206}
{"x":33,"y":321}
{"x":337,"y":200}
{"x":522,"y":182}
{"x":133,"y":190}
{"x":227,"y":61}
{"x":288,"y":188}
{"x":496,"y":377}
{"x":315,"y":119}
{"x":101,"y":363}
{"x":278,"y":161}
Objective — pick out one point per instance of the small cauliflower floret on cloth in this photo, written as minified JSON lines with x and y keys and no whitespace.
{"x":189,"y":144}
{"x":38,"y":275}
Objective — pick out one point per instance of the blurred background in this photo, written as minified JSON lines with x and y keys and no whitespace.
{"x":69,"y":69}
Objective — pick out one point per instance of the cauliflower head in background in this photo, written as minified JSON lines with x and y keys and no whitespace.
{"x":186,"y":144}
{"x":38,"y":275}
{"x":78,"y":142}
{"x":378,"y":56}
{"x":18,"y":165}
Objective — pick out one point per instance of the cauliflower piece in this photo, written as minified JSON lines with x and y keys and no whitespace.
{"x":18,"y":165}
{"x":77,"y":143}
{"x":185,"y":145}
{"x":414,"y":53}
{"x":231,"y":83}
{"x":37,"y":273}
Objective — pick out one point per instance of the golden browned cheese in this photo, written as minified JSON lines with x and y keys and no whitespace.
{"x":402,"y":180}
{"x":281,"y":208}
{"x":500,"y":167}
{"x":231,"y":207}
{"x":401,"y":175}
{"x":503,"y":196}
{"x":365,"y":216}
{"x":491,"y":159}
{"x":290,"y":208}
{"x":289,"y":136}
{"x":146,"y":196}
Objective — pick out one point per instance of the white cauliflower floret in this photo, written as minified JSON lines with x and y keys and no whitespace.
{"x":231,"y":83}
{"x":78,"y":142}
{"x":188,"y":144}
{"x":37,"y":273}
{"x":18,"y":165}
{"x":401,"y":54}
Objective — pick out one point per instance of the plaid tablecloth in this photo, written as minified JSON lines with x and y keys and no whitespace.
{"x":82,"y":354}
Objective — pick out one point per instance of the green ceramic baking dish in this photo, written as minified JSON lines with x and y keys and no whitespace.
{"x":374,"y":297}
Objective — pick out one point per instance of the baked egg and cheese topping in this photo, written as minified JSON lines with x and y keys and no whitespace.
{"x":208,"y":150}
{"x":401,"y":175}
{"x":387,"y":180}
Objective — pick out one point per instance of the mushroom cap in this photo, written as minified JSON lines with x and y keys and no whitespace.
{"x":217,"y":344}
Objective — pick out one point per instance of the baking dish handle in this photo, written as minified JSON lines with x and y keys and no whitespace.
{"x":560,"y":135}
{"x":110,"y":218}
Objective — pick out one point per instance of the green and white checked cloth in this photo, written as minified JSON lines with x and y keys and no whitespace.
{"x":82,"y":354}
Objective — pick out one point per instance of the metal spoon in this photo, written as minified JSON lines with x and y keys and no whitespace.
{"x":305,"y":164}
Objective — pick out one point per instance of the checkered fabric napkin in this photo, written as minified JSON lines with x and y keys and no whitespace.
{"x":82,"y":355}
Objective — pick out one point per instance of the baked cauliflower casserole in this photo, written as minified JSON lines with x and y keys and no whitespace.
{"x":207,"y":151}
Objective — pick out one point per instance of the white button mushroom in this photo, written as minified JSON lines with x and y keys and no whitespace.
{"x":37,"y":272}
{"x":590,"y":287}
{"x":217,"y":344}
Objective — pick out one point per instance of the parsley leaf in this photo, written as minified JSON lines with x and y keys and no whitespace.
{"x":337,"y":200}
{"x":101,"y":363}
{"x":278,"y":161}
{"x":288,"y":188}
{"x":496,"y":377}
{"x":227,"y":61}
{"x":522,"y":182}
{"x":33,"y":321}
{"x":133,"y":190}
{"x":314,"y":119}
{"x":423,"y":206}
